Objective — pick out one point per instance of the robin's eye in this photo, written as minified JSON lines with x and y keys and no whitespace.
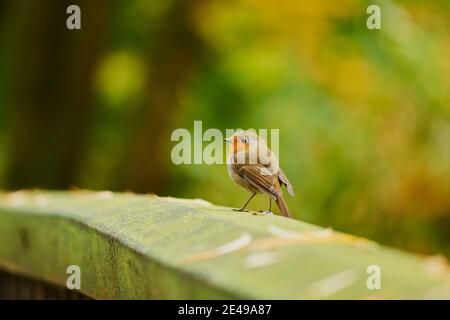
{"x":244,"y":140}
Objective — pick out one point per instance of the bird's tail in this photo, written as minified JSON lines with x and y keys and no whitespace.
{"x":283,"y":207}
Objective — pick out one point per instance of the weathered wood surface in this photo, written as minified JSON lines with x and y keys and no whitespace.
{"x":130,"y":246}
{"x":20,"y":287}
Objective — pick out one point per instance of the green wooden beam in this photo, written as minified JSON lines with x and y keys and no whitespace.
{"x":147,"y":247}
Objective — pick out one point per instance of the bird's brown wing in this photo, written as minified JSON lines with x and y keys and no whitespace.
{"x":284,"y":180}
{"x":259,"y":177}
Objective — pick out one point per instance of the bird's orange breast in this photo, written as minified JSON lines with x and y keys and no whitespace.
{"x":237,"y":146}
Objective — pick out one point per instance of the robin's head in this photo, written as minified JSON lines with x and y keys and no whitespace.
{"x":242,"y":141}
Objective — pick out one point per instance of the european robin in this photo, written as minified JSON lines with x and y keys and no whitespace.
{"x":254,"y":167}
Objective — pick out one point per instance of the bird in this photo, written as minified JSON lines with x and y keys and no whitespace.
{"x":254,"y":167}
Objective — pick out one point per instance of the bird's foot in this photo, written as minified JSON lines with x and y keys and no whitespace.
{"x":264,"y":213}
{"x":240,"y":210}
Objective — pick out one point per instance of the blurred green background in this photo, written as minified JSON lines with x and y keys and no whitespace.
{"x":363,"y":114}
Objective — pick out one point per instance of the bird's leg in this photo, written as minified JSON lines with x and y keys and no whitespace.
{"x":270,"y":206}
{"x":243,"y":208}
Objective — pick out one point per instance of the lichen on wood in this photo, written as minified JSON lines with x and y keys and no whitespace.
{"x":148,"y":247}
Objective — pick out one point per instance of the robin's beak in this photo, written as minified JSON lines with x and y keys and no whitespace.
{"x":227,"y":140}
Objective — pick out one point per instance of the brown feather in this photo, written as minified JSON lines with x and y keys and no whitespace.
{"x":265,"y":183}
{"x":284,"y":180}
{"x":283,"y":207}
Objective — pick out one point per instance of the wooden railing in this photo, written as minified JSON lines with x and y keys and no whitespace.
{"x":147,"y":247}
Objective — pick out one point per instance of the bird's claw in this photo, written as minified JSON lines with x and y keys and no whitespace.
{"x":240,"y":210}
{"x":264,"y":213}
